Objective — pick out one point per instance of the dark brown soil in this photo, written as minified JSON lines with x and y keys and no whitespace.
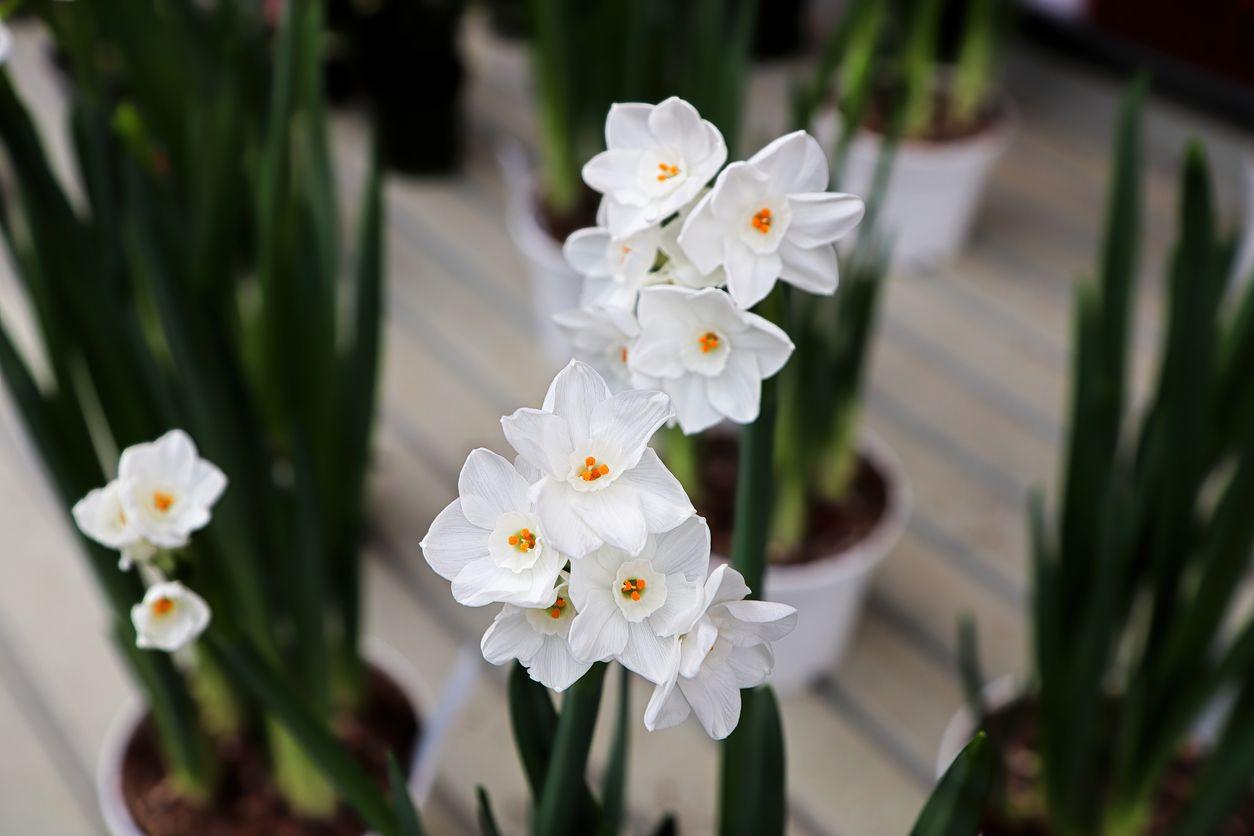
{"x":944,"y":127}
{"x":831,"y":527}
{"x":1014,"y":731}
{"x":246,"y":802}
{"x":560,"y":226}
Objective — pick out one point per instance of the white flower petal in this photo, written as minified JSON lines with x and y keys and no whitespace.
{"x":823,"y":217}
{"x":692,"y":404}
{"x":574,"y":395}
{"x":554,"y":665}
{"x":702,"y":238}
{"x":453,"y":542}
{"x":724,"y":584}
{"x":737,"y":392}
{"x":683,"y":602}
{"x":565,"y":529}
{"x":585,"y":251}
{"x":541,"y":437}
{"x":627,"y":126}
{"x":814,"y":270}
{"x":793,"y":163}
{"x":489,"y":486}
{"x":750,"y":666}
{"x":715,"y":699}
{"x":677,"y":123}
{"x":629,"y":419}
{"x":613,"y":172}
{"x":667,"y":707}
{"x":599,"y":631}
{"x":750,"y":276}
{"x":768,"y":341}
{"x":614,"y":515}
{"x":737,"y":194}
{"x":647,"y":654}
{"x":751,"y":623}
{"x":655,"y":353}
{"x":684,"y":550}
{"x":662,"y":498}
{"x":510,"y":637}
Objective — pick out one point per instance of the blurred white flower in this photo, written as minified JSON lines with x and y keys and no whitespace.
{"x":170,"y":617}
{"x":771,"y":218}
{"x":601,"y":336}
{"x":601,"y":483}
{"x":101,"y":516}
{"x":614,"y":269}
{"x":538,"y":638}
{"x":707,"y":354}
{"x":724,"y":649}
{"x":167,"y":490}
{"x":657,"y":158}
{"x":6,"y":43}
{"x":488,"y":541}
{"x":677,"y":268}
{"x":631,"y":607}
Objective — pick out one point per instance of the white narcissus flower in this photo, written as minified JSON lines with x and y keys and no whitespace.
{"x":601,"y":483}
{"x":102,"y":517}
{"x":631,"y":608}
{"x":489,"y":542}
{"x":602,"y":336}
{"x":707,"y":354}
{"x":771,"y":218}
{"x":677,"y":268}
{"x":538,"y":638}
{"x":614,"y":269}
{"x":6,"y":43}
{"x":167,"y":490}
{"x":170,"y":617}
{"x":657,"y":159}
{"x":726,"y":648}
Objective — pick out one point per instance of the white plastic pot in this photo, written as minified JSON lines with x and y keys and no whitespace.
{"x":934,"y":189}
{"x":117,"y":817}
{"x":555,"y":286}
{"x":829,"y":592}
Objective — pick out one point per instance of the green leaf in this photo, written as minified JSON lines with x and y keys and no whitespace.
{"x":957,"y":805}
{"x":752,"y":791}
{"x":408,"y":821}
{"x":487,"y":821}
{"x":668,"y":826}
{"x":266,"y":686}
{"x":1225,"y":779}
{"x":970,"y":671}
{"x":559,"y":809}
{"x":614,"y":789}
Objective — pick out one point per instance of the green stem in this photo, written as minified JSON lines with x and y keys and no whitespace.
{"x":297,"y":777}
{"x":754,"y":478}
{"x":220,"y":708}
{"x":683,"y":459}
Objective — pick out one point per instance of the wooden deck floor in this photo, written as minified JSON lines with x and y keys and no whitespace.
{"x":968,"y":384}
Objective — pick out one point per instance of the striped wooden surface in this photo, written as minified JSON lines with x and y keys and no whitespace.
{"x":968,"y":384}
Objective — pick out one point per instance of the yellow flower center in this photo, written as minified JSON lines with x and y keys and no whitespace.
{"x":555,"y":611}
{"x":708,"y":341}
{"x":666,"y":172}
{"x":162,"y":501}
{"x":524,"y":540}
{"x":632,"y":588}
{"x":762,"y":220}
{"x":162,"y":606}
{"x":591,"y":469}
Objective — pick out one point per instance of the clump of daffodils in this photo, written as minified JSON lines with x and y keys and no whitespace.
{"x":594,"y":552}
{"x":674,"y":264}
{"x":163,"y":493}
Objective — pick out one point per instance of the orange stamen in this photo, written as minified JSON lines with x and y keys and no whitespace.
{"x":762,"y":220}
{"x":162,"y":500}
{"x":161,"y":606}
{"x":592,"y":470}
{"x":709,"y":341}
{"x":666,"y":172}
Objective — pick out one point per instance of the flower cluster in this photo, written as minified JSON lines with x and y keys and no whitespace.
{"x":653,"y":313}
{"x":596,"y":553}
{"x":162,"y":494}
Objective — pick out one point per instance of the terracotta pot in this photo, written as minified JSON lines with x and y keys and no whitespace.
{"x":555,"y":286}
{"x":117,"y":816}
{"x":934,"y":190}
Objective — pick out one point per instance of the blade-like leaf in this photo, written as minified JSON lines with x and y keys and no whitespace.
{"x":614,"y":788}
{"x":559,"y":810}
{"x":487,"y":820}
{"x":957,"y":804}
{"x":408,"y":821}
{"x":752,"y":787}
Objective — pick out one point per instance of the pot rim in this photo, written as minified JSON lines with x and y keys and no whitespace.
{"x":865,"y":555}
{"x":992,"y":139}
{"x":998,"y":693}
{"x":117,"y":816}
